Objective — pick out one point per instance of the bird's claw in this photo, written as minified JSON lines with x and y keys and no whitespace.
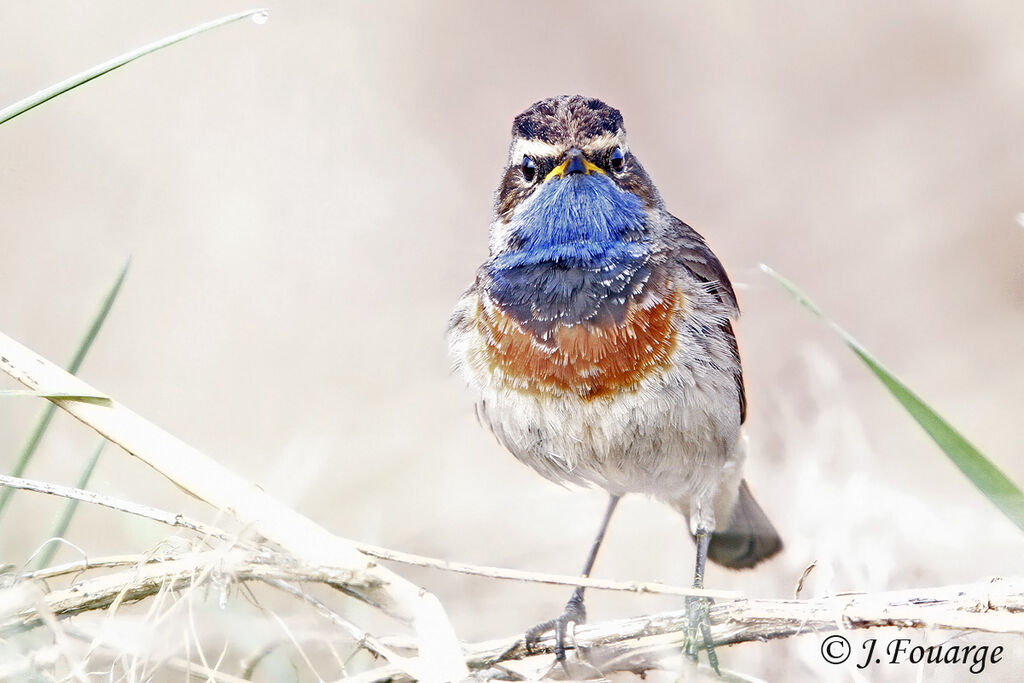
{"x":699,"y":624}
{"x":574,"y":613}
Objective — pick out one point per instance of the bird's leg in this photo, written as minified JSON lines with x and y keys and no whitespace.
{"x":697,"y":608}
{"x":574,"y":613}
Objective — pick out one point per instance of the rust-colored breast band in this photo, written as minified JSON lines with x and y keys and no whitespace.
{"x":587,"y":360}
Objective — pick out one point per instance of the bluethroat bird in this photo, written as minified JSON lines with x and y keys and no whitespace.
{"x":597,"y":338}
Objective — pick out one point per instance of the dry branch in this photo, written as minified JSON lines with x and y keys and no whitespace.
{"x":203,"y":477}
{"x":156,"y":514}
{"x":85,"y":564}
{"x":146,"y":578}
{"x":540,"y":577}
{"x":996,"y":606}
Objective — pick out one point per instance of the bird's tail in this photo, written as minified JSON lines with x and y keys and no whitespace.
{"x":749,"y":538}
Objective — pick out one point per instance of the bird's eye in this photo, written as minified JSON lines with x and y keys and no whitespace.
{"x":617,"y":160}
{"x":529,"y":169}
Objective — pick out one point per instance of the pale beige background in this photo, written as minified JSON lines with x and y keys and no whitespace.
{"x":304,"y":201}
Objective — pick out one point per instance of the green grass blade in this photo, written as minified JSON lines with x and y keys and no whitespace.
{"x":983,"y":474}
{"x":60,"y":527}
{"x":29,"y":449}
{"x":38,"y":98}
{"x":43,"y":394}
{"x":98,"y":320}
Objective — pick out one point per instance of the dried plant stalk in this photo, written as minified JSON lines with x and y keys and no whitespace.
{"x":639,"y":643}
{"x":147,"y":576}
{"x":208,"y":480}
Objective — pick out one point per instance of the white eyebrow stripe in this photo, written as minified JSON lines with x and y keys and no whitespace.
{"x":535,"y":148}
{"x":604,"y":142}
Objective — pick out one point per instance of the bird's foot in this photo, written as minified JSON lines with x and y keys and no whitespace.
{"x":574,"y":614}
{"x":699,"y":626}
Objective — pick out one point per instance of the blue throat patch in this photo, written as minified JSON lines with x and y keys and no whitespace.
{"x":579,"y":253}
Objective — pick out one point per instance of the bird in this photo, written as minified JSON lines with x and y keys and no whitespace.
{"x":597,"y":340}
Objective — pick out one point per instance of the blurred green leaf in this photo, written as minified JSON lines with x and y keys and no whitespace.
{"x":982,"y":473}
{"x":29,"y":449}
{"x":35,"y":100}
{"x":60,"y":526}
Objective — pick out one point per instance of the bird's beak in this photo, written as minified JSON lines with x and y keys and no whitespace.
{"x":574,"y":162}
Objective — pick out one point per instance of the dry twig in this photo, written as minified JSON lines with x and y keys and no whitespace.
{"x":651,"y":587}
{"x":168,"y":518}
{"x":147,"y":578}
{"x":996,"y":607}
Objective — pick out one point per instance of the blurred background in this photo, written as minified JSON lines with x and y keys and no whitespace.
{"x":304,"y":201}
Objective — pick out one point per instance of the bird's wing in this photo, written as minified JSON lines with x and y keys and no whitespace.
{"x":690,"y":252}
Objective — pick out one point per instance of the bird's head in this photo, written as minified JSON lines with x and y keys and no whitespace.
{"x":571,"y":240}
{"x":571,"y":182}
